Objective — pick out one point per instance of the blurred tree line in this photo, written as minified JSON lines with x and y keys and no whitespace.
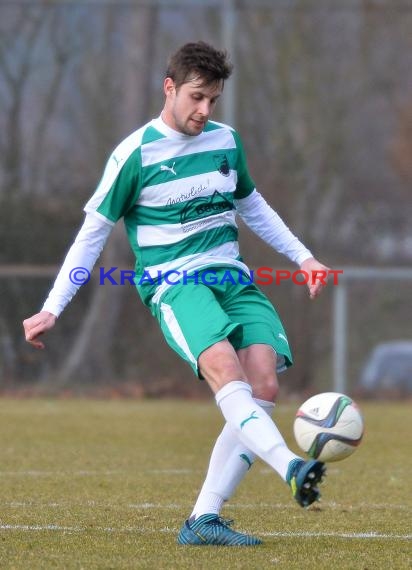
{"x":324,"y":106}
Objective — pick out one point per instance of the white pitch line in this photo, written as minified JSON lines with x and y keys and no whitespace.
{"x":38,"y":473}
{"x":167,"y":506}
{"x":86,"y":473}
{"x":40,"y":527}
{"x":302,"y":534}
{"x":327,"y":504}
{"x":355,"y":535}
{"x":56,"y":527}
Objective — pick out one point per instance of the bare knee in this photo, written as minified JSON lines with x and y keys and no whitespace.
{"x":266,"y":387}
{"x":259,"y":363}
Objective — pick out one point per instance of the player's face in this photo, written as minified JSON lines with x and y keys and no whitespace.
{"x":188,"y":108}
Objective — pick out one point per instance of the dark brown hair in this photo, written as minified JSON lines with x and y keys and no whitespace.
{"x":198,"y":60}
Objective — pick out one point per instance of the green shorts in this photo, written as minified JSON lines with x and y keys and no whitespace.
{"x":195,"y":315}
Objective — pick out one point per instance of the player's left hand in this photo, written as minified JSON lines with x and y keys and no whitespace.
{"x":318,"y":276}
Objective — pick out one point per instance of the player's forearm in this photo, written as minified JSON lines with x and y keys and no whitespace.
{"x":269,"y":226}
{"x":82,"y":255}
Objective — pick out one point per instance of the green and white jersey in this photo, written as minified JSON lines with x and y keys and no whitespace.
{"x":176,"y":194}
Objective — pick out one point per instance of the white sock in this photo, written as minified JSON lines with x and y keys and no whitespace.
{"x":253,"y":426}
{"x":229,"y":463}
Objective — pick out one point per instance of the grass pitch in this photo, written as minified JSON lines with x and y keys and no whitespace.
{"x":107,"y":484}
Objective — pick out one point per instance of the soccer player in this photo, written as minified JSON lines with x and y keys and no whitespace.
{"x":178,"y":182}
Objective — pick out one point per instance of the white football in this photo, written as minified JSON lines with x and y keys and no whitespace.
{"x":328,"y":426}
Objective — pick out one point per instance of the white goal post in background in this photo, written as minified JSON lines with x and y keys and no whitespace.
{"x":340,"y":313}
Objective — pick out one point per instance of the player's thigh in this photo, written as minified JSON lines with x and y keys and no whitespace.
{"x":260,"y":322}
{"x":192,"y":320}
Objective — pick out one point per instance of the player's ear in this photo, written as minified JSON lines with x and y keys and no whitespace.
{"x":169,"y":86}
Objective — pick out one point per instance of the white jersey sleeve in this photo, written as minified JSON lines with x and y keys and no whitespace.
{"x":83,"y":255}
{"x":269,"y":226}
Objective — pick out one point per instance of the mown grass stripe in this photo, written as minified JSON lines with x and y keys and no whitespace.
{"x":148,"y":505}
{"x":300,"y":534}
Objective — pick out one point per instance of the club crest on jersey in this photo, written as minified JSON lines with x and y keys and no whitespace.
{"x":222,"y":164}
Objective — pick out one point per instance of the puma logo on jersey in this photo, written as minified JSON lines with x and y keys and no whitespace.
{"x":165,"y":168}
{"x":282,"y":336}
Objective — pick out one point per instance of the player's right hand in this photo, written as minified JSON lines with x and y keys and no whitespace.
{"x":36,"y":326}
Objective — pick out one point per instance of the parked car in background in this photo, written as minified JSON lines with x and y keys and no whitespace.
{"x":388,"y":369}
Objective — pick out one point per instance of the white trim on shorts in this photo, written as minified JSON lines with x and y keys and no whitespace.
{"x":176,"y":331}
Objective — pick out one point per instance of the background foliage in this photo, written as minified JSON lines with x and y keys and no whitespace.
{"x":324,"y":105}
